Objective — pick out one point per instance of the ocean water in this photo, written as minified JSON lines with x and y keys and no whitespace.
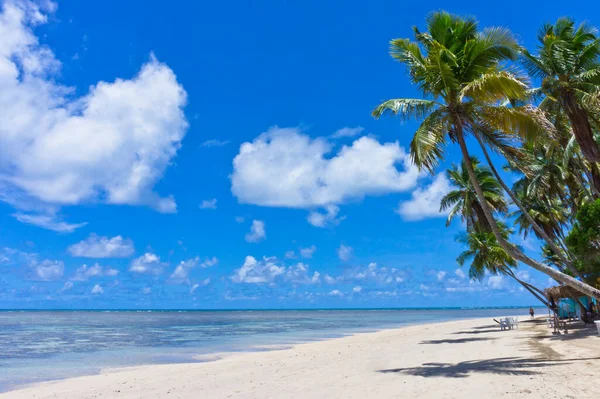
{"x":47,"y":345}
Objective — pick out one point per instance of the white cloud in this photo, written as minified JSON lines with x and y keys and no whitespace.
{"x":253,"y":271}
{"x":148,"y":263}
{"x":215,"y":143}
{"x":460,"y":273}
{"x":348,"y":132}
{"x":335,"y":293}
{"x":181,"y":272}
{"x":209,"y":262}
{"x":289,"y":254}
{"x":66,"y":287}
{"x":425,"y":202}
{"x":86,"y":272}
{"x":357,"y":289}
{"x":326,"y":219}
{"x":97,"y":289}
{"x":308,"y":252}
{"x":257,"y":231}
{"x":146,"y":290}
{"x":47,"y":221}
{"x":523,"y":275}
{"x":440,"y":275}
{"x":102,"y":247}
{"x":110,"y":145}
{"x":496,"y":282}
{"x":209,"y":204}
{"x":194,"y":288}
{"x":46,"y":270}
{"x":344,"y":252}
{"x":239,"y":219}
{"x":328,"y":279}
{"x":299,"y":274}
{"x":286,"y":168}
{"x":373,"y":272}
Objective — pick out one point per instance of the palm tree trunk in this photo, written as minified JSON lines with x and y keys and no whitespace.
{"x":580,"y":123}
{"x":518,"y":203}
{"x":536,"y":292}
{"x":511,"y":250}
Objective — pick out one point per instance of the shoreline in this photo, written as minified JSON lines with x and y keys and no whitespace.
{"x":368,"y":364}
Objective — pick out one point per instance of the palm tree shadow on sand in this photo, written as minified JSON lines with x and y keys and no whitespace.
{"x":503,"y":366}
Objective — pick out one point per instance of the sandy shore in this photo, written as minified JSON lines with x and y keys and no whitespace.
{"x":461,"y":359}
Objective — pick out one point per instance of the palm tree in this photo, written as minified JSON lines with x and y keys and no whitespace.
{"x":567,"y":63}
{"x":458,"y":69}
{"x":463,"y":200}
{"x":487,"y":257}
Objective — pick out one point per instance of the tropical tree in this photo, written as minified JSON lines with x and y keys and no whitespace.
{"x":568,"y":67}
{"x":487,"y":257}
{"x":463,"y":199}
{"x":459,"y":70}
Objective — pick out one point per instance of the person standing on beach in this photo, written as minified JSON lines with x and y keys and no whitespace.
{"x":531,"y":312}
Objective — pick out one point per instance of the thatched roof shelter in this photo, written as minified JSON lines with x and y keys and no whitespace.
{"x":562,"y":291}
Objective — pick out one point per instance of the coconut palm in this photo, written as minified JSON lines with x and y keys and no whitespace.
{"x":459,"y":70}
{"x":487,"y":257}
{"x":463,"y":199}
{"x":568,"y":66}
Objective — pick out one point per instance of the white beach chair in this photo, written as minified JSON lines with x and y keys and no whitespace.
{"x":504,"y":324}
{"x":550,"y":322}
{"x":515,"y":322}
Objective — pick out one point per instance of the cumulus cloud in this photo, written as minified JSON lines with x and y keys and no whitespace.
{"x":357,"y":289}
{"x":97,"y":289}
{"x":270,"y":269}
{"x":102,"y":247}
{"x":460,"y":274}
{"x":209,"y":204}
{"x":335,"y":293}
{"x":35,"y":269}
{"x":182,"y":271}
{"x":344,"y":252}
{"x":257,"y":231}
{"x":373,"y":273}
{"x":440,"y":275}
{"x":284,"y":167}
{"x":109,"y":145}
{"x":47,"y":270}
{"x":299,"y":274}
{"x":308,"y":252}
{"x":425,"y":201}
{"x":348,"y":132}
{"x":148,"y":263}
{"x":290,"y":254}
{"x":254,"y":271}
{"x":327,"y":218}
{"x":496,"y":282}
{"x":86,"y":272}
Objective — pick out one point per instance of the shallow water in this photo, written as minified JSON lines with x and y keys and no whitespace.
{"x":46,"y":345}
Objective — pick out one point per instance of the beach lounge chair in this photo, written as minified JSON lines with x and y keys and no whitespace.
{"x":550,"y":322}
{"x":505,"y":324}
{"x":514,"y":322}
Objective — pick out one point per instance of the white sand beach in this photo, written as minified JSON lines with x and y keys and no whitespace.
{"x":461,"y":359}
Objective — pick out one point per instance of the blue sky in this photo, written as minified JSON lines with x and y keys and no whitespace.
{"x":222,"y":155}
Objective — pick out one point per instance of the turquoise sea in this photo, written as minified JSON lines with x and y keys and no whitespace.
{"x":46,"y":345}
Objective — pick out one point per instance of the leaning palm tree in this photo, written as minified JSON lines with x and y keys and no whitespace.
{"x":458,"y":69}
{"x":568,"y":65}
{"x":487,"y":257}
{"x":463,"y":200}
